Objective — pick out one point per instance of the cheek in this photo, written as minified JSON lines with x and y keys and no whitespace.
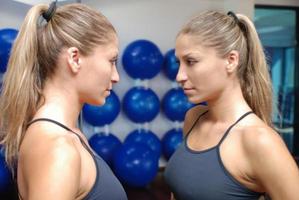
{"x":101,"y":68}
{"x":201,"y":77}
{"x":208,"y":78}
{"x":104,"y":73}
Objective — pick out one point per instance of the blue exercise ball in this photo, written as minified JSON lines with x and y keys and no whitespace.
{"x":141,"y":105}
{"x":171,"y":141}
{"x":102,"y":115}
{"x":175,"y":104}
{"x":135,"y":164}
{"x":145,"y":137}
{"x":7,"y":37}
{"x":142,"y":59}
{"x":105,"y":145}
{"x":171,"y":65}
{"x":5,"y":175}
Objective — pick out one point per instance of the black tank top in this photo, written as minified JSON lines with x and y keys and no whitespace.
{"x":106,"y":186}
{"x":194,"y":175}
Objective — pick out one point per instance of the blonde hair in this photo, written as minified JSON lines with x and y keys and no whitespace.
{"x":226,"y":33}
{"x":33,"y":60}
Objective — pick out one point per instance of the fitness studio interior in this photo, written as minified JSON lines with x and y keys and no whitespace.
{"x":140,"y":126}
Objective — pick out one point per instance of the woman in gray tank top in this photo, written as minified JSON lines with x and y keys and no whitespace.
{"x":230,"y":150}
{"x":62,"y":58}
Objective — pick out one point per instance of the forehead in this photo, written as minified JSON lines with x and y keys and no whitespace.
{"x":186,"y":43}
{"x":189,"y":44}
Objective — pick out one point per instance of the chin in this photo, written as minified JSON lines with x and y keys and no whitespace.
{"x":97,"y":102}
{"x":102,"y":102}
{"x":195,"y":100}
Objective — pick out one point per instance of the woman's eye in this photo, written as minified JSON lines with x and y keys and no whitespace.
{"x":191,"y":62}
{"x":114,"y":61}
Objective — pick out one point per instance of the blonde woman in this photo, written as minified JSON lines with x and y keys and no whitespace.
{"x":61,"y":59}
{"x":230,"y":150}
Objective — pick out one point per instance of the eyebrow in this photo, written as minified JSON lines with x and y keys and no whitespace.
{"x":115,"y":57}
{"x":188,"y":55}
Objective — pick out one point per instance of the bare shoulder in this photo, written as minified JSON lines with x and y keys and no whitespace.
{"x":259,"y":140}
{"x":50,"y":159}
{"x":47,"y":140}
{"x":191,"y":116}
{"x":260,"y":136}
{"x":271,"y":164}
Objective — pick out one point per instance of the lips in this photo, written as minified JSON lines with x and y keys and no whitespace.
{"x":188,"y":90}
{"x":108,"y":91}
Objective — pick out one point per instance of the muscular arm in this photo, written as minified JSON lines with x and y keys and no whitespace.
{"x":272,"y":164}
{"x":52,"y":172}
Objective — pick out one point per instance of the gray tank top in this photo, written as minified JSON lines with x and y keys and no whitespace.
{"x":106,"y":186}
{"x":201,"y":175}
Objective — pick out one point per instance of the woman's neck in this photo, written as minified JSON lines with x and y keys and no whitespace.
{"x":228,"y":106}
{"x":60,"y":104}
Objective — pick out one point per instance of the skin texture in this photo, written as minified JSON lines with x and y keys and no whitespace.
{"x":53,"y":164}
{"x":253,"y":153}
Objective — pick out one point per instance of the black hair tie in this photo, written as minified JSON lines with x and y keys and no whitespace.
{"x":50,"y":12}
{"x":231,"y":13}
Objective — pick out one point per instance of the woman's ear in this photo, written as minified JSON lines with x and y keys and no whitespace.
{"x":73,"y":59}
{"x":232,"y":61}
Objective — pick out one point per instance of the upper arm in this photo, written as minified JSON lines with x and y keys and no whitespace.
{"x":272,"y":164}
{"x":191,"y":116}
{"x":52,"y":171}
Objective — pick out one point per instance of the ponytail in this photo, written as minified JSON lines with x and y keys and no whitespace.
{"x":21,"y":89}
{"x":254,"y":75}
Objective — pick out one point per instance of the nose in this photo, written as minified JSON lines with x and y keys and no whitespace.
{"x":114,"y":75}
{"x":181,"y":75}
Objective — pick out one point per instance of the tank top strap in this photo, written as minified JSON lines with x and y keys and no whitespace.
{"x":64,"y":127}
{"x":193,"y":125}
{"x":228,"y":130}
